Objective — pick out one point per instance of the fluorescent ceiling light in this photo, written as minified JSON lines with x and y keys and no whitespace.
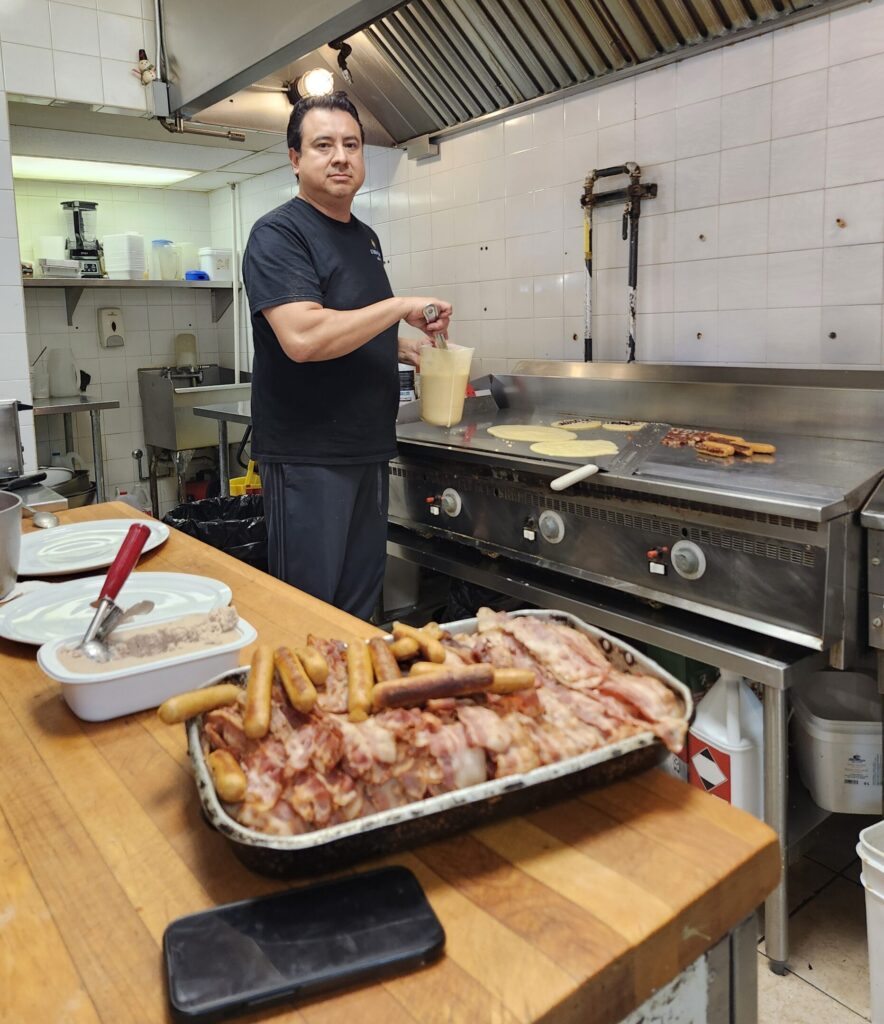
{"x":95,"y":172}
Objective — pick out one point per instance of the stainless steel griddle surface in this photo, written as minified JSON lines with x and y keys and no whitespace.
{"x":813,"y":477}
{"x":471,"y":434}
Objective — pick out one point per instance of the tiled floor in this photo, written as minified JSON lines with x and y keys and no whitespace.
{"x":828,"y":977}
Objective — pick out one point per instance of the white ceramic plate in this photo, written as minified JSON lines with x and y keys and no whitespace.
{"x":59,"y":610}
{"x":78,"y":547}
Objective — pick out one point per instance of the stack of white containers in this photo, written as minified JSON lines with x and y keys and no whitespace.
{"x":124,"y":256}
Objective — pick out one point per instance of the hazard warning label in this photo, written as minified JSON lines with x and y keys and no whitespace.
{"x":709,"y":769}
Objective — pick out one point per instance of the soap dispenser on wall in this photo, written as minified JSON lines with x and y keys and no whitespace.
{"x":110,"y":328}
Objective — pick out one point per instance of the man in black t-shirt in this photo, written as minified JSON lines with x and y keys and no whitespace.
{"x":325,"y":386}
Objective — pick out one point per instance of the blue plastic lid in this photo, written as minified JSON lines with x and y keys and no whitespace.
{"x":195,"y":275}
{"x":161,"y":241}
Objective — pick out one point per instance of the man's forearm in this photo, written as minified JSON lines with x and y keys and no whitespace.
{"x":317,"y":334}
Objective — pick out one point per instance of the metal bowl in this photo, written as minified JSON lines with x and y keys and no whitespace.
{"x":10,"y":540}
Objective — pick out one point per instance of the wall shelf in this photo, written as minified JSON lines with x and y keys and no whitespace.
{"x":222,"y":291}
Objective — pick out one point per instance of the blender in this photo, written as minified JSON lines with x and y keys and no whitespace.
{"x":82,"y":238}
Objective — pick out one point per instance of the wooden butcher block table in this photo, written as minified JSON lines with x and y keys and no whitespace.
{"x":575,"y":913}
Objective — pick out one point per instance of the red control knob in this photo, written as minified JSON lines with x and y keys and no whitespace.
{"x":657,"y":552}
{"x":431,"y":500}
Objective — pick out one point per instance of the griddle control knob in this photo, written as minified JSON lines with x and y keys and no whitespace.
{"x":688,"y":560}
{"x":451,"y":502}
{"x":552,"y":528}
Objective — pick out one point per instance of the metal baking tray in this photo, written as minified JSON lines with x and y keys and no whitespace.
{"x":424,"y":820}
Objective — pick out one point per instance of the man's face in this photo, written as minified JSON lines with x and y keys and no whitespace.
{"x":330,"y":166}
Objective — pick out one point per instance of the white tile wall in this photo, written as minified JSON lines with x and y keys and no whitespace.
{"x":182,"y":216}
{"x":77,"y":50}
{"x":766,"y":236}
{"x":150,"y":318}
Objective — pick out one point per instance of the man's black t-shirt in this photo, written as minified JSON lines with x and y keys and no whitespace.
{"x":339,"y":410}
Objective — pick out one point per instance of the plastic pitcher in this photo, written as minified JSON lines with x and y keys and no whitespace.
{"x":445,"y":374}
{"x":165,"y":259}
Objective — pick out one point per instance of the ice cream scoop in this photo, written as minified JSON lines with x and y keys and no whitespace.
{"x":117,"y":574}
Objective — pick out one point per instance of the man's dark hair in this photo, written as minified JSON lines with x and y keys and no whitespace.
{"x":334,"y":101}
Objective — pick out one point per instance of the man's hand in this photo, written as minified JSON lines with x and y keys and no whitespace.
{"x":415,"y":316}
{"x":410,"y":350}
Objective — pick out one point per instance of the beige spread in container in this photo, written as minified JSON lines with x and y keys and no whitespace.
{"x":135,"y":647}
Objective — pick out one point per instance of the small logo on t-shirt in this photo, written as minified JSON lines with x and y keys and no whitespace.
{"x":375,"y":251}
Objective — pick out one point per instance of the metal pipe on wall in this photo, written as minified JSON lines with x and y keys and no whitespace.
{"x":234,"y":267}
{"x":631,"y":197}
{"x":245,"y":315}
{"x":587,"y":293}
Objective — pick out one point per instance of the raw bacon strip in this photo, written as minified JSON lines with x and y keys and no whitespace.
{"x":584,"y":646}
{"x":545,"y":643}
{"x":485,"y":728}
{"x":224,"y":730}
{"x":653,"y":702}
{"x":462,"y":765}
{"x":334,"y":696}
{"x":487,"y":619}
{"x":456,"y":652}
{"x":521,"y":755}
{"x":309,"y":797}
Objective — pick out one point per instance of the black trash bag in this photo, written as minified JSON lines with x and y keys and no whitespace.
{"x":465,"y":599}
{"x":234,"y":525}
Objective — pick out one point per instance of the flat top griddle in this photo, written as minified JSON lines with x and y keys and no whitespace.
{"x":812,"y":477}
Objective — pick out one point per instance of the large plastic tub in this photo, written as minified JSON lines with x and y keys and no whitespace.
{"x":837,"y":736}
{"x":871,"y":852}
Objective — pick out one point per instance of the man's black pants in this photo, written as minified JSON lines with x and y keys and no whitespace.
{"x":327,"y":530}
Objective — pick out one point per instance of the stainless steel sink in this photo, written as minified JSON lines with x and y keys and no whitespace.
{"x":168,"y":396}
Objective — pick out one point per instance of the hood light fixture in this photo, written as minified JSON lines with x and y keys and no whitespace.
{"x":316,"y":82}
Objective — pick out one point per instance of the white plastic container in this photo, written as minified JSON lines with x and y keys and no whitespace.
{"x":725,"y":745}
{"x":217,"y":263}
{"x":837,"y":735}
{"x":871,"y":852}
{"x":98,"y":697}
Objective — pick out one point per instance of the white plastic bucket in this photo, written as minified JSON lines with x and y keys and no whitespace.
{"x":217,"y":263}
{"x":871,"y":852}
{"x":837,"y":734}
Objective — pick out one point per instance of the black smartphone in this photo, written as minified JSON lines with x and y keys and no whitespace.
{"x":300,"y":943}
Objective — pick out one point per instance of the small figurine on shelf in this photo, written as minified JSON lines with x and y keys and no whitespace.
{"x":145,"y":70}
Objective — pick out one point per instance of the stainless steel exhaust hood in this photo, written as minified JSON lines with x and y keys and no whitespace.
{"x":427,"y":66}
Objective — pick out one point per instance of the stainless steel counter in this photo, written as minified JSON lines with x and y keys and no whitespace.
{"x":74,"y":403}
{"x":66,"y":407}
{"x":224,"y":413}
{"x":43,"y":498}
{"x":228,"y":412}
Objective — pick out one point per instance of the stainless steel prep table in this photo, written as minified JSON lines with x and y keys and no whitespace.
{"x":43,"y":498}
{"x":230,"y":412}
{"x":66,"y":407}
